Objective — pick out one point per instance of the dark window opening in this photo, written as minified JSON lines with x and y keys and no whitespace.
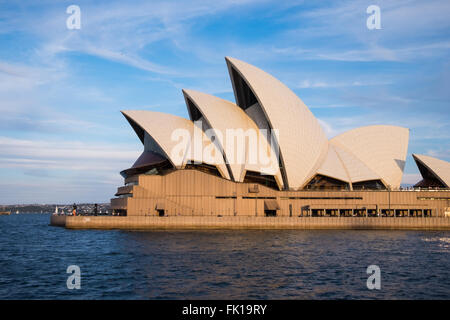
{"x":206,"y":168}
{"x":244,"y":95}
{"x":159,"y":168}
{"x":139,"y":131}
{"x":433,"y":198}
{"x":320,"y":182}
{"x":270,"y":213}
{"x":245,"y":98}
{"x":119,"y":212}
{"x":322,"y":198}
{"x":429,"y":183}
{"x":226,"y":197}
{"x":283,"y":171}
{"x":429,"y":179}
{"x":369,"y":185}
{"x":161,"y":213}
{"x":258,"y":197}
{"x":152,"y":150}
{"x":193,"y":110}
{"x":265,"y":180}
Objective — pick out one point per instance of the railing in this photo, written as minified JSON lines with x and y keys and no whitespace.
{"x":410,"y":189}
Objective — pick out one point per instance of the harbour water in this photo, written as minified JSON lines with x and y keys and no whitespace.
{"x":219,"y":264}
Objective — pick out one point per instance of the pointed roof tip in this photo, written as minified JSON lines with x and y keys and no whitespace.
{"x":417,"y":157}
{"x":126,"y":113}
{"x":235,"y":61}
{"x":192,"y":93}
{"x":229,"y":59}
{"x":187,"y":92}
{"x":425,"y":156}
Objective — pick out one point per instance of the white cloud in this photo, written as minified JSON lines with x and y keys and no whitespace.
{"x":443,"y":154}
{"x":67,"y":155}
{"x":21,"y":77}
{"x":307,"y":84}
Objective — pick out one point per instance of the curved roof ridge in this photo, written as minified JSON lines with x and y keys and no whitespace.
{"x":167,"y":130}
{"x":301,"y":139}
{"x":356,"y":169}
{"x":223,"y":115}
{"x":382,"y":148}
{"x":372,"y":126}
{"x":333,"y":167}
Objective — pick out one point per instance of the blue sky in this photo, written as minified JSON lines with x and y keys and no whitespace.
{"x":63,"y":139}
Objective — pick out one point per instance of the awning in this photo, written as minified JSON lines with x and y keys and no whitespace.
{"x":271,"y":204}
{"x":159,"y":206}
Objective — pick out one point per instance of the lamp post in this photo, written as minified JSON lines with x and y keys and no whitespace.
{"x":234,"y":203}
{"x":389,"y":201}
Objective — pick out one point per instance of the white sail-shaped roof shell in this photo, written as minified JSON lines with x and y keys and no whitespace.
{"x":356,"y":170}
{"x":343,"y":165}
{"x":180,"y":140}
{"x":302,"y":142}
{"x":228,"y":122}
{"x":440,"y":168}
{"x":381,"y":148}
{"x":332,"y":166}
{"x":301,"y":149}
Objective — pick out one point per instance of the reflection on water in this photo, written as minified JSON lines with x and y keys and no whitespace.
{"x":441,"y":242}
{"x":219,"y":264}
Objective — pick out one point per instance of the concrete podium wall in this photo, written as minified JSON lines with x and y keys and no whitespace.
{"x":199,"y":222}
{"x":192,"y":192}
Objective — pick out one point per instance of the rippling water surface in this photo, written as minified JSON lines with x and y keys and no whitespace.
{"x":219,"y":264}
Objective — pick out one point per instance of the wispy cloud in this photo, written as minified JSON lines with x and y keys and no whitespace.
{"x":306,"y":84}
{"x":39,"y":151}
{"x":62,"y":170}
{"x":439,"y":153}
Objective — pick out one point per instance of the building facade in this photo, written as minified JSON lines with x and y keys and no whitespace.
{"x":267,"y":155}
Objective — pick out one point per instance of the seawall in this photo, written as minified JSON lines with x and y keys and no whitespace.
{"x":205,"y":222}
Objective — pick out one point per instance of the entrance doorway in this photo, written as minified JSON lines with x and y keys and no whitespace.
{"x":270,"y":213}
{"x":270,"y":207}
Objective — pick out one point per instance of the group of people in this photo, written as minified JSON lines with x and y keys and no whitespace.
{"x":74,"y":209}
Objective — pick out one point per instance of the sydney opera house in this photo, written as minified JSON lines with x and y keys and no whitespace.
{"x":267,"y":155}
